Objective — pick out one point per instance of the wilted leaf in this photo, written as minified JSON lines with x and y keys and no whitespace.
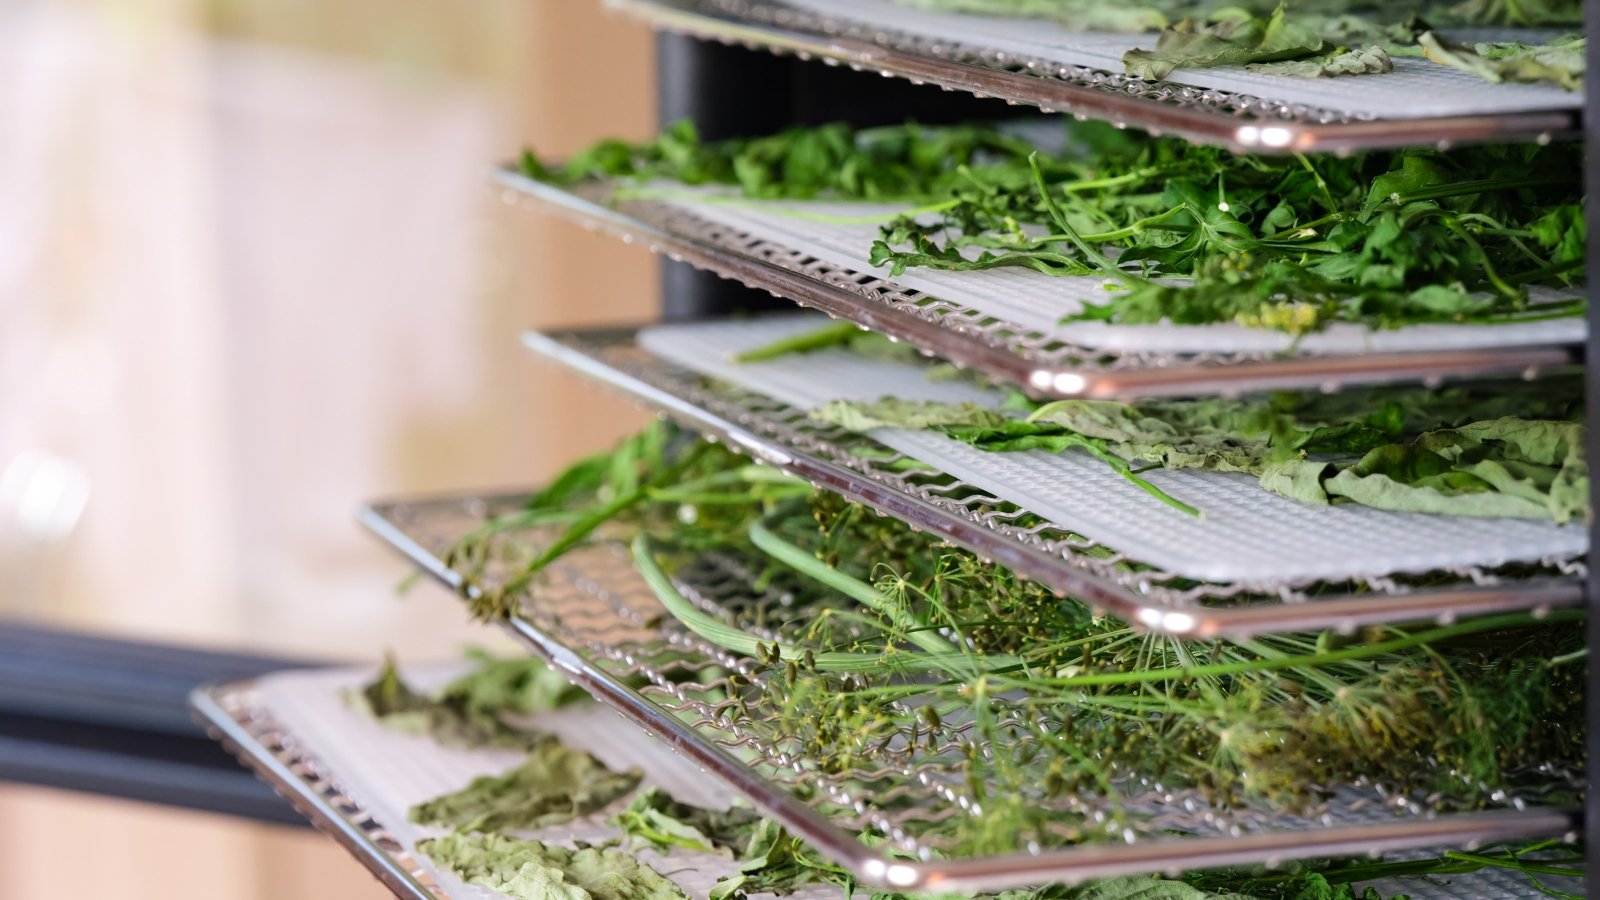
{"x":555,"y":785}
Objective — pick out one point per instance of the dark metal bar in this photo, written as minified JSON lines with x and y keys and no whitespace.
{"x":726,"y":92}
{"x":1591,"y":137}
{"x":111,"y":717}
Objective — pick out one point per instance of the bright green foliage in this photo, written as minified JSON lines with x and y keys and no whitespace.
{"x":530,"y":870}
{"x":800,"y":163}
{"x":1207,"y":33}
{"x":654,"y":818}
{"x":774,"y":862}
{"x":1383,"y":239}
{"x":556,"y":784}
{"x":1085,"y":15}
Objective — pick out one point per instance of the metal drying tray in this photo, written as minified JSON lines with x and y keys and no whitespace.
{"x":234,"y":715}
{"x":593,"y":617}
{"x":1106,"y":579}
{"x":1238,"y":121}
{"x":1007,"y":352}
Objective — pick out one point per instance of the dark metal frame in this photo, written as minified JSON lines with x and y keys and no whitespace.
{"x":111,"y":717}
{"x":1591,"y":136}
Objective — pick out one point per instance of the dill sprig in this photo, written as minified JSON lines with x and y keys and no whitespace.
{"x":891,"y":647}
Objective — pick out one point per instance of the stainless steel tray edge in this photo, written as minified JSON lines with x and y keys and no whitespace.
{"x":1157,"y":113}
{"x":998,"y":872}
{"x":1041,"y":378}
{"x":1341,"y":614}
{"x":294,"y":776}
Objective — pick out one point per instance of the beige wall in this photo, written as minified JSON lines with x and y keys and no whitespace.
{"x":250,"y":275}
{"x":66,"y":845}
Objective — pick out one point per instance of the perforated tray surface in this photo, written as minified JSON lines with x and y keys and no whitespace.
{"x":1108,"y":578}
{"x":1245,"y":534}
{"x":378,"y":774}
{"x":1416,"y":89}
{"x":1038,"y":302}
{"x":1056,"y":68}
{"x":595,"y":619}
{"x":1005,"y":323}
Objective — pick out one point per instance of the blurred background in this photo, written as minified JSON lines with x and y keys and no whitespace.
{"x":252,"y":275}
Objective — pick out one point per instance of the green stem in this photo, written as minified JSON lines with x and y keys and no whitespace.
{"x":1464,"y":188}
{"x":1362,"y":651}
{"x":863,"y":593}
{"x":1094,"y":184}
{"x":834,"y":334}
{"x":732,"y":639}
{"x":1088,"y":250}
{"x":1489,"y":272}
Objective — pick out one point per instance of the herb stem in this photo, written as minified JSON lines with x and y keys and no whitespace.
{"x":1362,"y":651}
{"x":729,"y":638}
{"x":865,"y":594}
{"x":1482,"y":185}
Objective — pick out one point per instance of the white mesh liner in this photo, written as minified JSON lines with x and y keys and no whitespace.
{"x":1037,"y":301}
{"x":387,"y":772}
{"x":1416,"y":88}
{"x":1246,"y":534}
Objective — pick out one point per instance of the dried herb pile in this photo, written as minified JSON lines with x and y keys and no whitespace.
{"x":1179,"y":233}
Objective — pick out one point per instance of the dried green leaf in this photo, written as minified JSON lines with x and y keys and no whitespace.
{"x":531,"y":870}
{"x":1229,"y":40}
{"x":654,"y":818}
{"x":1560,"y":62}
{"x":555,"y":785}
{"x":1364,"y":61}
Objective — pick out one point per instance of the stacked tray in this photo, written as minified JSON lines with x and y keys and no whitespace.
{"x":355,"y":779}
{"x":1254,"y":563}
{"x":1004,"y":323}
{"x":596,"y":620}
{"x":1059,"y":68}
{"x":1246,"y":568}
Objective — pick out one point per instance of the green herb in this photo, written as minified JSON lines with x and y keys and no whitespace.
{"x":1198,"y":34}
{"x":1406,"y":449}
{"x":1139,"y":887}
{"x":1559,"y":62}
{"x":1520,"y":13}
{"x":473,"y":710}
{"x":836,"y":334}
{"x":1332,"y":880}
{"x":1453,"y":710}
{"x":530,"y":870}
{"x":1365,"y":61}
{"x":1198,"y":235}
{"x":555,"y":785}
{"x":834,"y":160}
{"x":1087,"y":15}
{"x":1153,"y":15}
{"x":774,"y":862}
{"x":657,"y":820}
{"x":1230,"y":39}
{"x":1383,"y":240}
